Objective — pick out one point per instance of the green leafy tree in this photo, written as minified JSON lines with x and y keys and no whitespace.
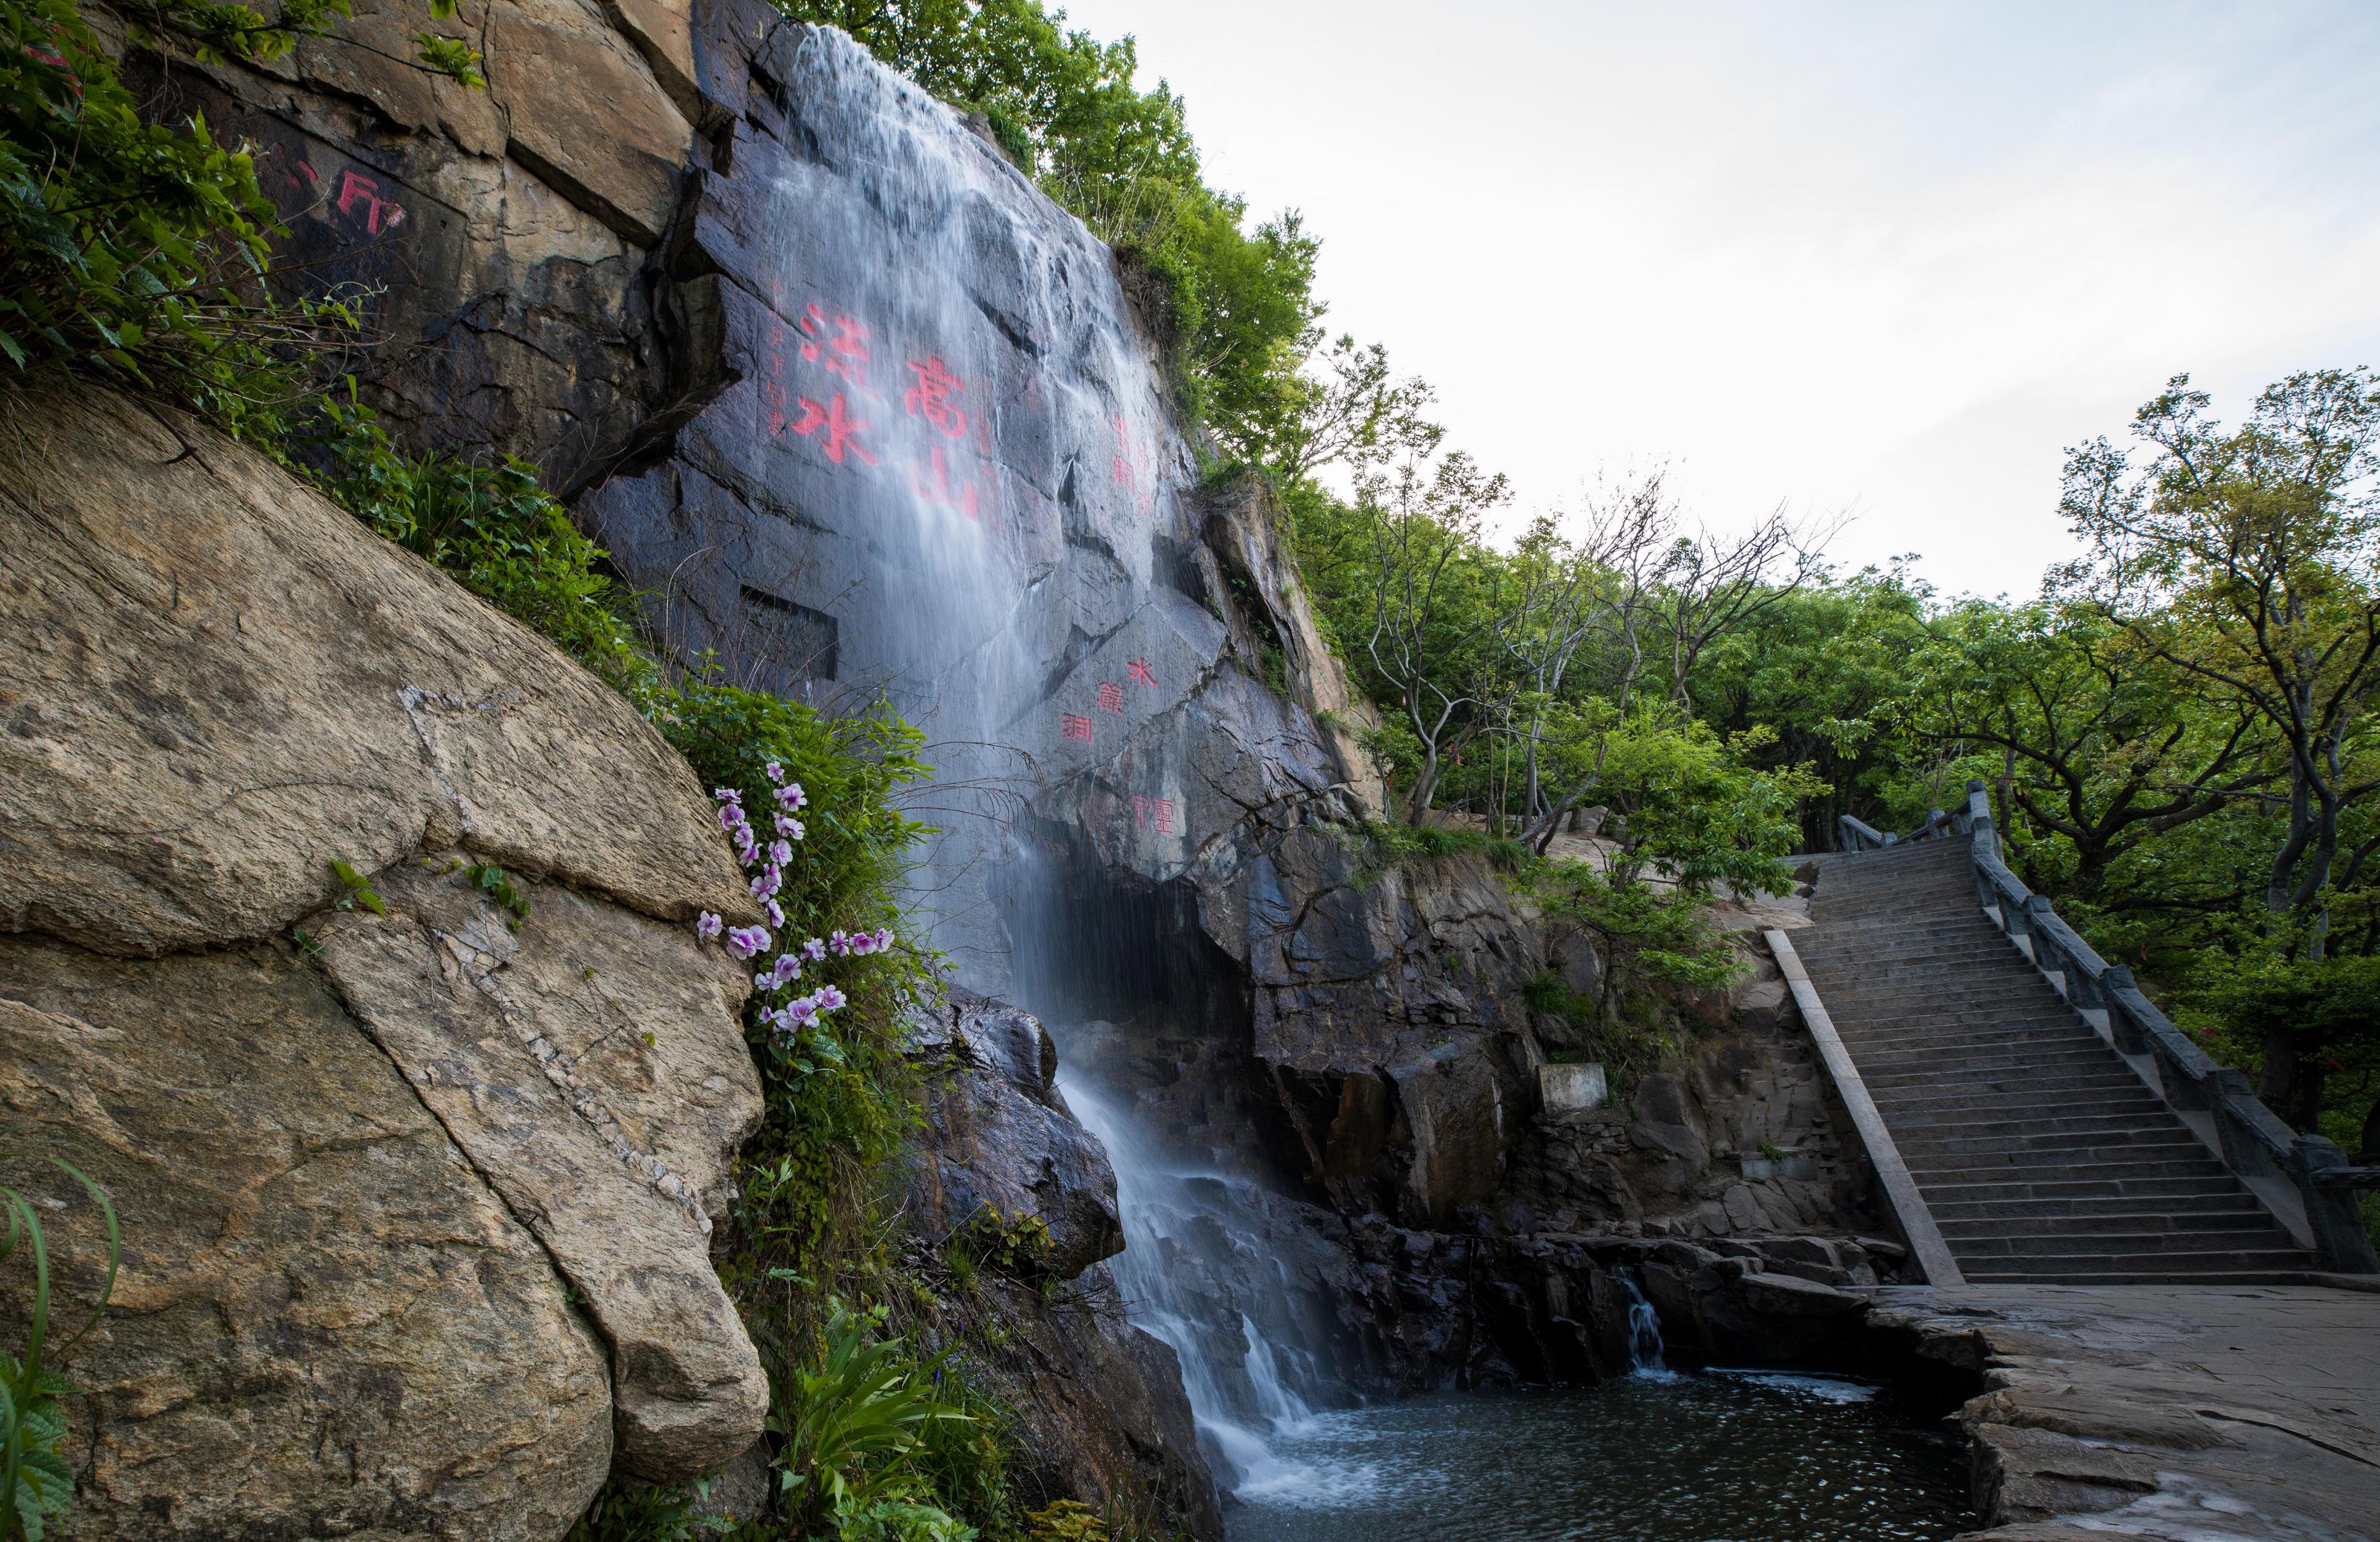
{"x":2247,"y":559}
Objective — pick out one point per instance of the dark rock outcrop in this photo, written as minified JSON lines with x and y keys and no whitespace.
{"x":1099,"y":1401}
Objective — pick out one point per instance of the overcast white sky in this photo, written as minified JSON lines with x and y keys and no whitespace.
{"x":1888,"y":258}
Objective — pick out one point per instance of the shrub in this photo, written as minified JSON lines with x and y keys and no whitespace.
{"x":852,"y":1431}
{"x":493,"y":528}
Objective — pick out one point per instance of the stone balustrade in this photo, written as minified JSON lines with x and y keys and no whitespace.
{"x":2305,"y":1180}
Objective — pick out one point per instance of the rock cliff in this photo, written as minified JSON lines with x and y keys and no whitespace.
{"x":415,"y":1202}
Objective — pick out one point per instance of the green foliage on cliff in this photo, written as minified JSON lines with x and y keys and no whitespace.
{"x":127,"y":248}
{"x":1065,"y":106}
{"x":138,"y":250}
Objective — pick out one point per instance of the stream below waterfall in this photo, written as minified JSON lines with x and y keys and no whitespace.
{"x":1656,"y":1456}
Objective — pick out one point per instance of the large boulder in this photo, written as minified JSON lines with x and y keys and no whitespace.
{"x":417,"y":1199}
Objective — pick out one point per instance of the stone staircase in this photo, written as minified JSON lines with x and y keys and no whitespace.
{"x":2041,"y":1154}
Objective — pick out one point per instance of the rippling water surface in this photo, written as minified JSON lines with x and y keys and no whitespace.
{"x":1655,"y":1457}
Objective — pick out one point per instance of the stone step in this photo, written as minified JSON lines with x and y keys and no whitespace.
{"x":1922,"y":1150}
{"x":1964,"y":1038}
{"x":1888,"y":1064}
{"x":2244,"y":1240}
{"x":1974,"y":938}
{"x":1920,"y":1077}
{"x":2020,"y":1220}
{"x":2118,"y":1092}
{"x":2148,"y":1189}
{"x":2125,"y":1271}
{"x":2198,"y":1200}
{"x":1932,"y":996}
{"x":2116,"y":1082}
{"x":2036,"y":1130}
{"x":1960,"y":1177}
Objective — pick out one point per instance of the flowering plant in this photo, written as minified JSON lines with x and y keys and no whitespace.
{"x":795,"y":1025}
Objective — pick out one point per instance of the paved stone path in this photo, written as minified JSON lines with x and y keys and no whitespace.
{"x":2188,"y":1414}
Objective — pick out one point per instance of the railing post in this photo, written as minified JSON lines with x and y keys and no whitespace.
{"x":2083,"y":992}
{"x":2017,"y":919}
{"x":2241,"y":1151}
{"x":2127,"y":1032}
{"x":2341,"y":1242}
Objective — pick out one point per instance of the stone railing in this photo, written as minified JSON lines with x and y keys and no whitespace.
{"x":1856,"y":834}
{"x":2305,"y":1181}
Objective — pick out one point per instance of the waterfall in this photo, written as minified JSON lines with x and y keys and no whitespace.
{"x":946,"y":476}
{"x":1645,"y":1348}
{"x":1195,"y":1274}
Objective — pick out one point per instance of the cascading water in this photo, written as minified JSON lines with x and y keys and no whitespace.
{"x":1645,"y":1347}
{"x":1195,"y":1274}
{"x":944,"y":476}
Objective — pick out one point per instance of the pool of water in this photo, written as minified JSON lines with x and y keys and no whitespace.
{"x":1660,"y":1456}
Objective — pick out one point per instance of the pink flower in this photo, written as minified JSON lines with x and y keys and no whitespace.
{"x":838,"y":943}
{"x":883,"y":937}
{"x":815,"y":951}
{"x":775,"y":912}
{"x":828,"y":998}
{"x":744,"y":942}
{"x":766,"y":882}
{"x":787,"y":969}
{"x":707,"y":926}
{"x":781,"y":851}
{"x":776,"y":773}
{"x":789,"y":827}
{"x":791,"y":796}
{"x":727,"y":795}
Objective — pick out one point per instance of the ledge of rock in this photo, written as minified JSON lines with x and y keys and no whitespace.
{"x":220,"y":682}
{"x":417,"y":1205}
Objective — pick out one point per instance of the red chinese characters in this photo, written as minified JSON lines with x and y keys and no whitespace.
{"x":1111,"y":697}
{"x":358,"y":191}
{"x":1153,"y":810}
{"x":1140,"y":672}
{"x":845,"y":353}
{"x":1074,"y":725}
{"x":930,"y":397}
{"x":1130,"y":467}
{"x":936,"y":488}
{"x":843,"y":431}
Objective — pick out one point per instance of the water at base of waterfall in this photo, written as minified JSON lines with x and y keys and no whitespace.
{"x":1656,"y":1456}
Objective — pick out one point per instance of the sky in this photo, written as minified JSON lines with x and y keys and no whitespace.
{"x":1879,"y":261}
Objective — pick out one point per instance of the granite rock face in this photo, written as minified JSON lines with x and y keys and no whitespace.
{"x":416,"y":1203}
{"x":318,"y":1293}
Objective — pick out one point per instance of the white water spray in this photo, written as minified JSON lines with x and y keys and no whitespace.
{"x":1195,"y":1274}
